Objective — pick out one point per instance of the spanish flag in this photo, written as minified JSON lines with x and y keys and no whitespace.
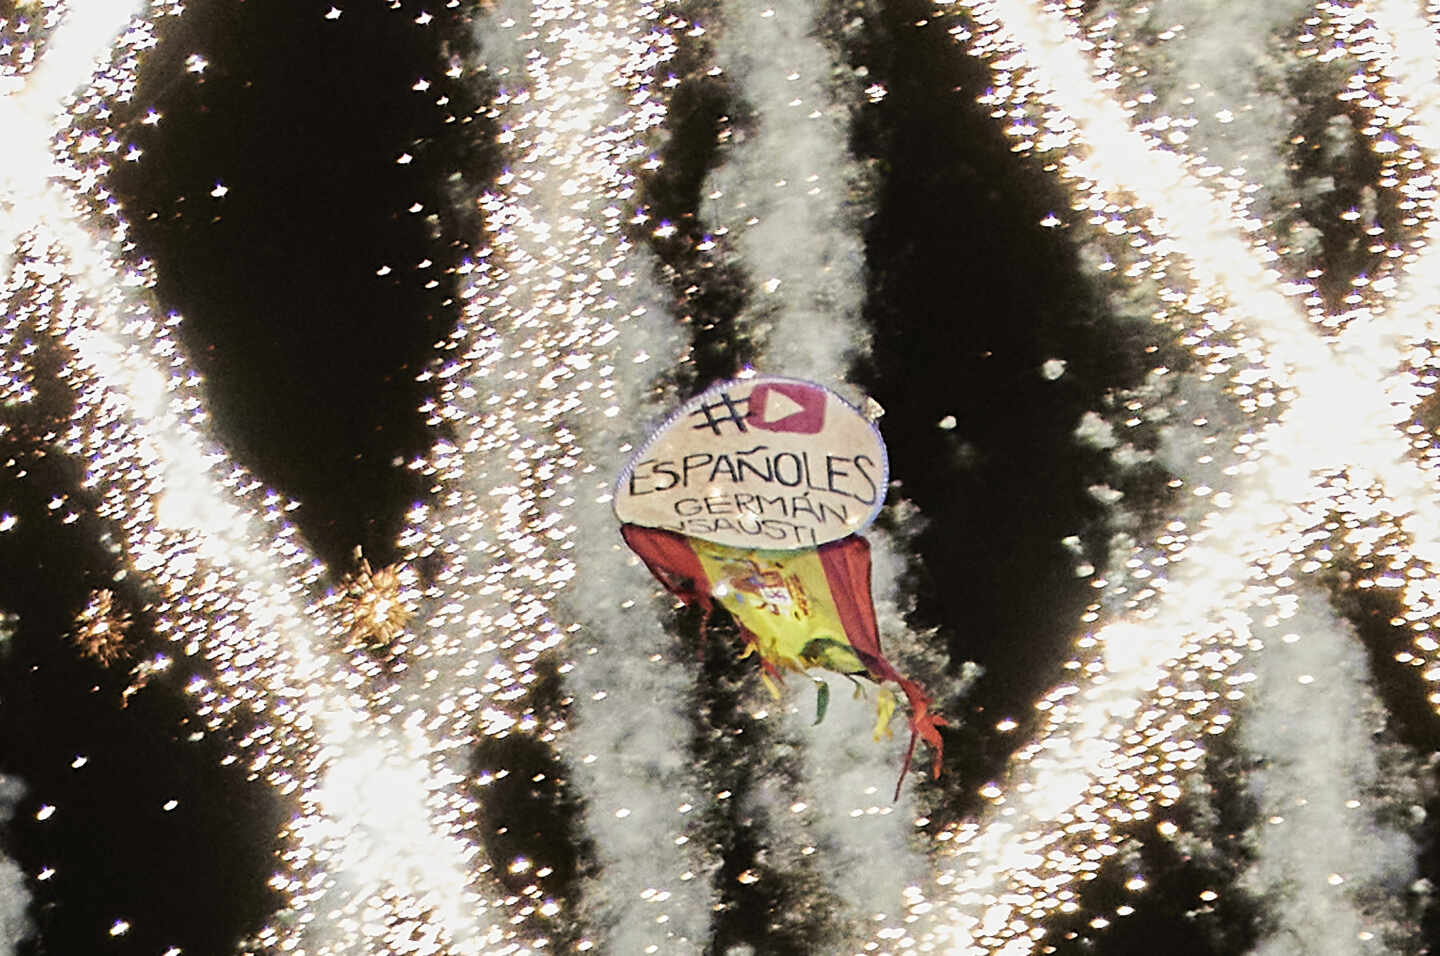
{"x":796,"y":609}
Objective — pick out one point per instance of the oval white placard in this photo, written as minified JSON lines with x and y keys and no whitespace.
{"x":764,"y":462}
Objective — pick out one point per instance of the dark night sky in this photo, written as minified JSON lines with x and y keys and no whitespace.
{"x":311,"y":358}
{"x":303,"y":119}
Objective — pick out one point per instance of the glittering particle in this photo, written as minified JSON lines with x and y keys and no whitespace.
{"x":226,"y":581}
{"x":373,"y":606}
{"x":101,"y":628}
{"x":1055,"y":91}
{"x":1322,"y":470}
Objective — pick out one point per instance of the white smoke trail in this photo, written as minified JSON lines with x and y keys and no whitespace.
{"x":1315,"y":786}
{"x":1331,"y":874}
{"x":559,"y":344}
{"x":1215,"y":82}
{"x":782,"y":198}
{"x":15,"y":925}
{"x":228,"y":578}
{"x":781,"y":195}
{"x":1340,"y":414}
{"x":1211,"y":68}
{"x":1409,"y":51}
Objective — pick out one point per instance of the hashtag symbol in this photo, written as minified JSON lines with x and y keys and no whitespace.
{"x":732,"y":413}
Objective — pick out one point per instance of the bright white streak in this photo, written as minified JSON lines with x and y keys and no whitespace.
{"x":781,"y":196}
{"x":74,"y":48}
{"x":29,"y":110}
{"x":1410,"y":52}
{"x":1410,"y":68}
{"x":551,"y":376}
{"x":204,"y":543}
{"x":15,"y":926}
{"x":1211,"y":87}
{"x":1318,"y":846}
{"x":1081,"y":752}
{"x":1309,"y":865}
{"x":782,"y":200}
{"x":1342,"y":415}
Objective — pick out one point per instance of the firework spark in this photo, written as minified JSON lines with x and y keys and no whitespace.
{"x":229,"y":579}
{"x":101,"y":628}
{"x":1116,"y":743}
{"x":1295,"y":416}
{"x":785,"y":208}
{"x":547,"y":367}
{"x":374,"y":608}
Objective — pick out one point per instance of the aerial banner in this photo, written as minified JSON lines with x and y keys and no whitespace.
{"x":765,"y":462}
{"x":751,"y":496}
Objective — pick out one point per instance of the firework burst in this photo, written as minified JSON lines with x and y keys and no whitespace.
{"x":374,"y":607}
{"x":101,"y":628}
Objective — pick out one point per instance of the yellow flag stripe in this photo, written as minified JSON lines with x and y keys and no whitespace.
{"x":783,"y":599}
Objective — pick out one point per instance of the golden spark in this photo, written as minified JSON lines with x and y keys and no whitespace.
{"x":100,"y":628}
{"x":373,"y":607}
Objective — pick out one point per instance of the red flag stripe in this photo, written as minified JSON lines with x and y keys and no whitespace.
{"x":847,"y":574}
{"x":670,"y":559}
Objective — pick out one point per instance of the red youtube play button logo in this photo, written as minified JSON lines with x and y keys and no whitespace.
{"x":787,"y":407}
